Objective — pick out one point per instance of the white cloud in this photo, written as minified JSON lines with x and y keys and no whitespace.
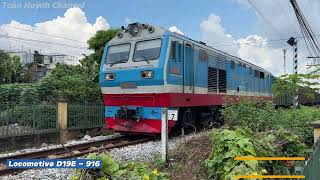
{"x":285,"y":24}
{"x":4,"y":43}
{"x":215,"y":35}
{"x":261,"y":54}
{"x":268,"y":54}
{"x":176,"y":30}
{"x":72,"y":25}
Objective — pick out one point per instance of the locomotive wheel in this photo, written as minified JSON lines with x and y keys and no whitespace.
{"x":186,"y":122}
{"x":211,"y":119}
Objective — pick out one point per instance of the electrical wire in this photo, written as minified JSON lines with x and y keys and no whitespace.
{"x":256,"y":42}
{"x":285,"y":13}
{"x":51,"y":35}
{"x":58,"y":50}
{"x":263,"y":16}
{"x":308,"y":35}
{"x":43,"y":42}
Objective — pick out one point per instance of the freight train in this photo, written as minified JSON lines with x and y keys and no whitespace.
{"x":306,"y":97}
{"x":146,"y":68}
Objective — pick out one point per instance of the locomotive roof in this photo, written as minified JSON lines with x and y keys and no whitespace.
{"x":204,"y":45}
{"x":159,"y":31}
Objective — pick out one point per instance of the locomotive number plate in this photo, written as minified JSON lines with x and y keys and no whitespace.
{"x":128,"y":85}
{"x":173,"y":115}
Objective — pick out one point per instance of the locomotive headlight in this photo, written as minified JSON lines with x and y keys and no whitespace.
{"x":150,"y":29}
{"x":119,"y":34}
{"x":109,"y":77}
{"x":134,"y":29}
{"x":147,"y":74}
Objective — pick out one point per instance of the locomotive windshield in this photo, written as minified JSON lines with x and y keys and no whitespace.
{"x":147,"y":50}
{"x":118,"y":53}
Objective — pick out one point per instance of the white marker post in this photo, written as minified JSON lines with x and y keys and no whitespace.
{"x":164,"y":134}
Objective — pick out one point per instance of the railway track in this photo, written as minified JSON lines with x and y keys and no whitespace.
{"x":72,"y":151}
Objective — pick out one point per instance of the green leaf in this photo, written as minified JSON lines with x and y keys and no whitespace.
{"x":92,"y":156}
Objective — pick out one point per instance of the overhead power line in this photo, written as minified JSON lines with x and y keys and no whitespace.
{"x":256,"y":42}
{"x":285,"y":14}
{"x":65,"y":52}
{"x":84,"y":48}
{"x":307,"y":32}
{"x":51,"y":35}
{"x":42,"y":42}
{"x":263,"y":16}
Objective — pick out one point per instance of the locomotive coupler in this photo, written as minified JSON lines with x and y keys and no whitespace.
{"x":125,"y":113}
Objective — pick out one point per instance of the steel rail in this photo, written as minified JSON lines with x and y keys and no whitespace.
{"x":72,"y":151}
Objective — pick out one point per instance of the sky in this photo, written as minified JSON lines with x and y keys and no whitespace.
{"x":234,"y":26}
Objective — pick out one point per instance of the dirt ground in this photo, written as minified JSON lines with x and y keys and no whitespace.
{"x":187,"y":160}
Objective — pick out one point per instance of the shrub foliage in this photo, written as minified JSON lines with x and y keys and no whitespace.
{"x":228,"y":144}
{"x":265,"y":117}
{"x":112,"y":169}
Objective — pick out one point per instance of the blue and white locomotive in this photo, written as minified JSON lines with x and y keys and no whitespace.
{"x":146,"y":68}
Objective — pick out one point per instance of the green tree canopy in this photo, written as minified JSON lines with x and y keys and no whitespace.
{"x":98,"y":41}
{"x":293,"y":83}
{"x":71,"y":82}
{"x":10,"y":68}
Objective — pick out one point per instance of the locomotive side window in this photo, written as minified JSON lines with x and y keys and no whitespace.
{"x":250,"y":70}
{"x":173,"y":50}
{"x":233,"y":65}
{"x":179,"y":52}
{"x":202,"y":55}
{"x":262,"y":75}
{"x":118,"y":53}
{"x":256,"y":73}
{"x":147,"y":50}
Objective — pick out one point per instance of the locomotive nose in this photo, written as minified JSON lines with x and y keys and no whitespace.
{"x":132,"y":79}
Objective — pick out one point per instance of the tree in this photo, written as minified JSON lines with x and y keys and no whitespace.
{"x":17,"y":69}
{"x":69,"y":82}
{"x":294,"y":83}
{"x":10,"y":68}
{"x":98,"y":41}
{"x":80,"y":82}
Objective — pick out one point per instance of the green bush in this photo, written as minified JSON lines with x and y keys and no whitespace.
{"x":18,"y":93}
{"x":228,"y":144}
{"x":115,"y":170}
{"x":265,"y":117}
{"x":40,"y":117}
{"x":85,"y":115}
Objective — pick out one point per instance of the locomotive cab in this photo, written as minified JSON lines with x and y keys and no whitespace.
{"x":131,"y":76}
{"x":133,"y":59}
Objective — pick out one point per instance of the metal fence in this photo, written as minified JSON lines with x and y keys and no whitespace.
{"x":26,"y":119}
{"x":312,"y":169}
{"x":85,"y":115}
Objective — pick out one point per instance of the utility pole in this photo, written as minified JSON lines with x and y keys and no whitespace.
{"x":307,"y":33}
{"x":294,"y":42}
{"x":295,"y":57}
{"x":164,"y":135}
{"x":284,"y":60}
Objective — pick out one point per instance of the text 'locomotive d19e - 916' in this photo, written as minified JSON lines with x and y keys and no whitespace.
{"x":146,"y":68}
